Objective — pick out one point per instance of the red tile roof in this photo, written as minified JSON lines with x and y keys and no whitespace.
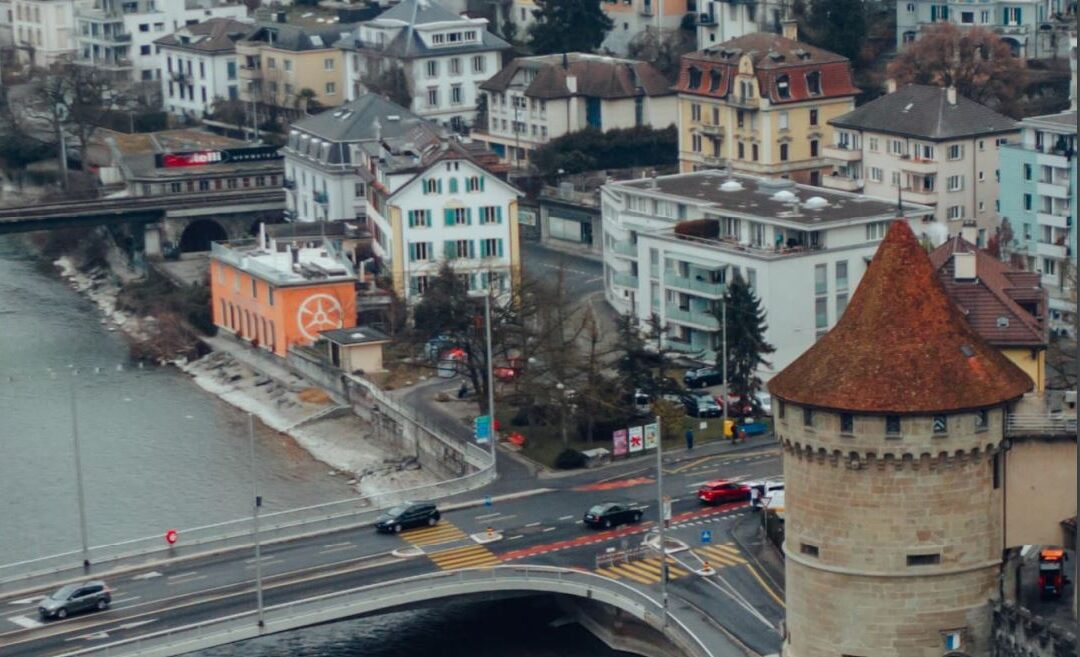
{"x":901,"y":347}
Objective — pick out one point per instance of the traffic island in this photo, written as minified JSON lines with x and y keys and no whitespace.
{"x":489,"y":536}
{"x":407,"y":552}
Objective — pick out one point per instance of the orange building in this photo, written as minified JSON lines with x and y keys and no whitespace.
{"x":278,"y":294}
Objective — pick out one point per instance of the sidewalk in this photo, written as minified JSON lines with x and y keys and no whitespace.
{"x":766,"y":557}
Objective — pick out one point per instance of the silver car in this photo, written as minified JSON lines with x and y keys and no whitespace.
{"x":75,"y":598}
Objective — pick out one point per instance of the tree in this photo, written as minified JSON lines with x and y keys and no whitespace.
{"x":568,"y":26}
{"x":838,"y":26}
{"x":976,"y":61}
{"x":663,"y":50}
{"x":234,"y":112}
{"x":306,"y":99}
{"x":746,"y":346}
{"x":391,"y":83}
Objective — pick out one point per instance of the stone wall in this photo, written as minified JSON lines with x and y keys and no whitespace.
{"x":1019,"y":633}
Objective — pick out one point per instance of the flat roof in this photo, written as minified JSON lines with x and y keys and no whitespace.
{"x":775,"y":199}
{"x":285,"y":266}
{"x":356,"y":335}
{"x":1063,"y":120}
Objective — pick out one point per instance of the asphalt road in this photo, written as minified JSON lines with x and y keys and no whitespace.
{"x":583,"y":276}
{"x":540,"y":529}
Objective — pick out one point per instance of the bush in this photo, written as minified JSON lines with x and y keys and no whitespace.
{"x":591,"y":149}
{"x":570,"y":459}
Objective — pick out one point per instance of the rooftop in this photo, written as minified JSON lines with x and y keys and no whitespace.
{"x":135,"y":153}
{"x":596,"y":75}
{"x":901,"y":347}
{"x":769,"y":198}
{"x":424,"y":14}
{"x":368,"y":118}
{"x":282,"y":265}
{"x":357,"y":335}
{"x":769,"y":51}
{"x":298,"y":38}
{"x":925,"y":112}
{"x":1062,"y":121}
{"x":213,"y":35}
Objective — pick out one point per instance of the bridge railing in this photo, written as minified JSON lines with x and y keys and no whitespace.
{"x":384,"y":595}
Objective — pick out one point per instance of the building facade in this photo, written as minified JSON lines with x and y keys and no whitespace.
{"x":1034,"y":29}
{"x":671,"y":243}
{"x":868,"y":569}
{"x":199,"y":66}
{"x":535,"y":99}
{"x":45,"y":31}
{"x":7,"y":20}
{"x":722,"y":20}
{"x":1039,"y":198}
{"x":937,"y":147}
{"x":444,"y":58}
{"x":276,"y":295}
{"x":637,"y":19}
{"x":761,"y":104}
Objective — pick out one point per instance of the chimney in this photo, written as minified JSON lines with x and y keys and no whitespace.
{"x":571,"y":84}
{"x":790,"y":29}
{"x":964,"y":266}
{"x":969,"y":232}
{"x":950,"y":94}
{"x":890,"y":86}
{"x":262,"y":235}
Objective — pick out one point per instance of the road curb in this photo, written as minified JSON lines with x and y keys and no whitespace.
{"x":753,"y":557}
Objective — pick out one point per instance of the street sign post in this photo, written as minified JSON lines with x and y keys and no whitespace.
{"x":482,"y":429}
{"x":706,"y":536}
{"x":487,"y":500}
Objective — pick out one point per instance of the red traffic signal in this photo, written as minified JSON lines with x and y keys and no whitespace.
{"x":171,"y":536}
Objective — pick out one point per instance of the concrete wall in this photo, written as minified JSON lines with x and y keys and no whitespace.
{"x":1019,"y":633}
{"x":1040,"y":486}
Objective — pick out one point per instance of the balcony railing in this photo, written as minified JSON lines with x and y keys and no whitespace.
{"x":320,"y":197}
{"x":625,"y":280}
{"x":747,"y":102}
{"x":706,"y":19}
{"x":671,"y":279}
{"x":696,"y":318}
{"x":842,"y":153}
{"x":842,"y":182}
{"x":711,"y":129}
{"x":713,"y":160}
{"x":1051,"y":424}
{"x":288,"y":183}
{"x":625,"y":249}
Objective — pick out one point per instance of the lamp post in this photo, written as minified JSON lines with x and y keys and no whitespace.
{"x":255,"y":522}
{"x":490,"y":367}
{"x":723,"y":360}
{"x":79,"y":477}
{"x":663,"y":517}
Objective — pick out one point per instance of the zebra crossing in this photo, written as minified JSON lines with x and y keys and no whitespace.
{"x":470,"y":556}
{"x":719,"y":556}
{"x":648,"y":571}
{"x":441,"y":533}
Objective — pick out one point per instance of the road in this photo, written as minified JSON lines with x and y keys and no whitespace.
{"x":543,"y":528}
{"x":584,"y":276}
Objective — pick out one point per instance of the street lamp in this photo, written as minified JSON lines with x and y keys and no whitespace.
{"x":255,"y":522}
{"x":79,"y":477}
{"x":490,"y":368}
{"x":662,"y":516}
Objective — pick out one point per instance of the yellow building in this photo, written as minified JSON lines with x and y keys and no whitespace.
{"x":761,"y":104}
{"x":286,"y":66}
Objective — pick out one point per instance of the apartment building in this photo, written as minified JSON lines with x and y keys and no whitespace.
{"x":632,"y":18}
{"x":45,"y":31}
{"x":285,"y":66}
{"x":1034,"y":29}
{"x":445,"y":57}
{"x":671,"y":244}
{"x":761,"y":104}
{"x":118,"y":36}
{"x":1039,"y":198}
{"x":7,"y":20}
{"x":535,"y":99}
{"x":199,"y":66}
{"x":937,"y":147}
{"x":722,"y":20}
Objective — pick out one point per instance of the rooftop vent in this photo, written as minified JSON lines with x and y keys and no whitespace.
{"x":1003,"y":322}
{"x":785,"y":196}
{"x":731,"y":186}
{"x":964,"y":266}
{"x":815,"y":203}
{"x":967,"y":351}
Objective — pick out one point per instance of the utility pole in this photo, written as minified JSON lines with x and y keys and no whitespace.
{"x":60,"y":114}
{"x":723,"y":360}
{"x":490,"y":369}
{"x":663,"y":517}
{"x":79,"y":477}
{"x":255,"y":522}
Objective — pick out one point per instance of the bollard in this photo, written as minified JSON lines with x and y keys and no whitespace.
{"x":490,"y":532}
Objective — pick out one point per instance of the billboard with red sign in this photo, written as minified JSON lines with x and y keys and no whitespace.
{"x":222,"y":156}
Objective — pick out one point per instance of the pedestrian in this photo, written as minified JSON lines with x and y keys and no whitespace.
{"x":754,"y":495}
{"x":689,"y":439}
{"x":462,"y":391}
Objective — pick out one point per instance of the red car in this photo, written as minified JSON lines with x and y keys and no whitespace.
{"x":722,"y":492}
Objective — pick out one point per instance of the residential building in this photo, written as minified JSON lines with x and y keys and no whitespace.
{"x":117,"y":36}
{"x":900,"y":413}
{"x":1039,"y":198}
{"x":671,"y":243}
{"x":722,"y":20}
{"x":45,"y":30}
{"x":444,"y":57}
{"x":636,"y":19}
{"x":1006,"y":306}
{"x":7,"y":20}
{"x":521,"y":15}
{"x":199,"y":66}
{"x":761,"y":104}
{"x":939,"y":148}
{"x":536,"y":99}
{"x":285,"y":66}
{"x":277,"y":294}
{"x":1072,"y":65}
{"x":569,"y":217}
{"x":424,"y":195}
{"x":1034,"y":29}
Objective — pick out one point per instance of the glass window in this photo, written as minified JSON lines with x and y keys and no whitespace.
{"x":941,"y":425}
{"x":821,"y":279}
{"x":841,"y":275}
{"x":982,"y":420}
{"x":807,"y":417}
{"x":847,"y":423}
{"x":892,"y":425}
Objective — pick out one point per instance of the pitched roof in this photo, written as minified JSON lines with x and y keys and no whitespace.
{"x":768,"y":50}
{"x":288,"y":36}
{"x":427,"y":11}
{"x":991,"y":301}
{"x":925,"y":112}
{"x":366,"y":118}
{"x":597,"y":76}
{"x":901,"y":346}
{"x":213,"y":35}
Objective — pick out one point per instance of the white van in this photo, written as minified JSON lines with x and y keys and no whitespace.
{"x":762,"y":489}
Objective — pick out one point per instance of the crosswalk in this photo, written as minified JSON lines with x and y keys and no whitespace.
{"x":470,"y":556}
{"x":720,"y":555}
{"x":643,"y":571}
{"x":442,"y":533}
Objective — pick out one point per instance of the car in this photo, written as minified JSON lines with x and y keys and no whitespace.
{"x":701,"y":406}
{"x":611,"y":514}
{"x":720,"y":491}
{"x":406,"y":516}
{"x":703,"y":377}
{"x":75,"y":598}
{"x":737,"y":406}
{"x":764,"y":403}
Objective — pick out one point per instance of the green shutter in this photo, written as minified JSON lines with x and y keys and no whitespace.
{"x":481,"y":183}
{"x":468,"y":216}
{"x":472,"y":251}
{"x":448,"y":216}
{"x":499,"y":243}
{"x":438,"y":185}
{"x":448,"y":249}
{"x":427,"y":218}
{"x":498,"y":214}
{"x":453,"y":185}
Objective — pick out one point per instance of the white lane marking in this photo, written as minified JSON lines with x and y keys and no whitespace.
{"x":184,"y":579}
{"x":149,"y":575}
{"x":133,"y":625}
{"x":533,"y":524}
{"x":336,"y":545}
{"x":549,"y":529}
{"x":265,"y":557}
{"x":489,"y":515}
{"x":133,"y":598}
{"x":515,"y":537}
{"x":25,"y":621}
{"x":190,"y":573}
{"x":273,"y":562}
{"x":567,"y":518}
{"x":28,"y":601}
{"x":330,"y":549}
{"x":96,"y":636}
{"x":579,"y":522}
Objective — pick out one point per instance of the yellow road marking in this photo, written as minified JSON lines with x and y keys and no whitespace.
{"x":464,"y":557}
{"x":768,"y":589}
{"x":646,"y":571}
{"x":442,"y":533}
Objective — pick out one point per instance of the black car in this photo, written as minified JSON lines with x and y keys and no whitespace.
{"x":74,"y":598}
{"x":703,"y":377}
{"x":419,"y":514}
{"x":610,"y":514}
{"x":701,"y":406}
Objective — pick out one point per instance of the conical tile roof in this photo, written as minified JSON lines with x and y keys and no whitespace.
{"x":901,"y":347}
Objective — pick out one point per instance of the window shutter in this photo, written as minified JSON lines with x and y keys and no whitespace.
{"x":453,"y":185}
{"x":468,"y":216}
{"x":1019,"y":13}
{"x":412,"y":253}
{"x":498,"y":214}
{"x":481,"y":183}
{"x":472,"y":252}
{"x":438,"y":185}
{"x":500,"y":250}
{"x":449,"y":216}
{"x":448,"y":249}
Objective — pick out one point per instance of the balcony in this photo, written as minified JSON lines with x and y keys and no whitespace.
{"x":746,"y":102}
{"x":694,"y":318}
{"x":1051,"y":250}
{"x":842,"y":153}
{"x":320,"y":197}
{"x":625,"y":249}
{"x":843,"y":183}
{"x":1053,"y":220}
{"x":671,"y":279}
{"x":249,"y":72}
{"x":1053,"y":190}
{"x":711,"y":129}
{"x":918,"y":166}
{"x":706,"y":19}
{"x":646,"y":9}
{"x":625,"y":280}
{"x":288,"y":183}
{"x":920,"y":195}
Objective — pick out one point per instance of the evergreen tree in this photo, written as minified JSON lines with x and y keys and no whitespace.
{"x":568,"y":26}
{"x":746,"y":344}
{"x":838,"y":26}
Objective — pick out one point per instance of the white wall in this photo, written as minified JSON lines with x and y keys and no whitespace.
{"x":48,"y":26}
{"x":212,"y":77}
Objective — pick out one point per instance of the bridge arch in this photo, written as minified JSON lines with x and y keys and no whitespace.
{"x":199,"y":234}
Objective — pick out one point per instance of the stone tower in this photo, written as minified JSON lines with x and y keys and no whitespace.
{"x":891,"y":425}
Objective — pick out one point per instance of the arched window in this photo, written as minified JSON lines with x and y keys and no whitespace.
{"x":715,"y":78}
{"x":783,"y":86}
{"x":695,"y":77}
{"x":813,"y":82}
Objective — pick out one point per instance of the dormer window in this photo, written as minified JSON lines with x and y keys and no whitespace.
{"x":813,"y":83}
{"x":715,"y":78}
{"x":783,"y":87}
{"x":695,"y":77}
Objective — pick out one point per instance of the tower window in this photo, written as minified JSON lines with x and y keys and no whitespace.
{"x":847,"y":424}
{"x":808,"y":549}
{"x":924,"y":559}
{"x":807,"y":417}
{"x":892,"y":426}
{"x":941,"y":425}
{"x":780,"y":410}
{"x":982,"y":420}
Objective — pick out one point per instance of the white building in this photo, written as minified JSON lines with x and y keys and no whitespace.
{"x":45,"y":30}
{"x":723,"y":20}
{"x":939,"y":148}
{"x":535,"y":99}
{"x":199,"y":66}
{"x":7,"y":20}
{"x":118,"y":35}
{"x":1034,"y":29}
{"x":445,"y":57}
{"x":671,"y":243}
{"x":421,"y":193}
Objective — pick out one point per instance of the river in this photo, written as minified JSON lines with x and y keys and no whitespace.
{"x":158,"y":453}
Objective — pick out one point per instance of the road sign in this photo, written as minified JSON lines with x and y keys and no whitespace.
{"x":171,"y":537}
{"x":487,"y":500}
{"x":482,"y":428}
{"x":667,"y":509}
{"x":706,"y":536}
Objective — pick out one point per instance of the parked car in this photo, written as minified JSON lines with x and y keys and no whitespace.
{"x":701,"y":406}
{"x":737,"y":406}
{"x":703,"y":377}
{"x":611,"y":514}
{"x":765,"y":488}
{"x":764,"y":403}
{"x":75,"y":598}
{"x":721,"y":491}
{"x":401,"y":517}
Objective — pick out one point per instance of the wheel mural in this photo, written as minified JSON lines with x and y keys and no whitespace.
{"x":319,"y":312}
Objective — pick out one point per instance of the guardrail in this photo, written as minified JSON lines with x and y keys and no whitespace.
{"x":373,"y":597}
{"x":133,"y":203}
{"x":1039,"y":424}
